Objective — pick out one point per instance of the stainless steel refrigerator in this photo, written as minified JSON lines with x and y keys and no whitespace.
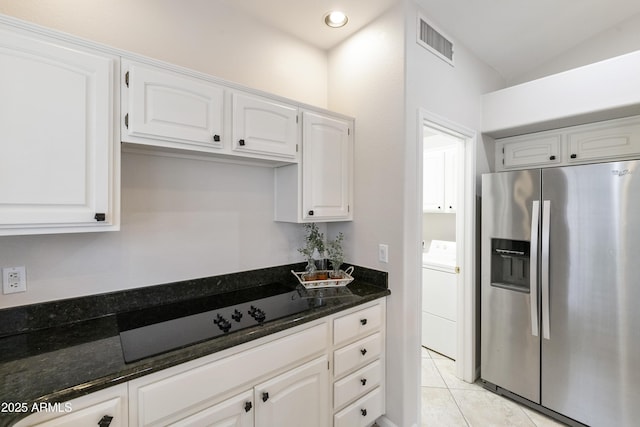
{"x":560,"y":289}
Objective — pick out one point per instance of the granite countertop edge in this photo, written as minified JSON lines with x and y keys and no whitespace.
{"x":122,"y":372}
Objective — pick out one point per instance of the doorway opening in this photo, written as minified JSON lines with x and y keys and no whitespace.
{"x":439,"y":262}
{"x":447,"y":239}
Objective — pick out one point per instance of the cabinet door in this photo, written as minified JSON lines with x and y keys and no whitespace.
{"x":106,"y":407}
{"x":614,"y":139}
{"x":166,"y":106}
{"x":433,"y":181}
{"x":299,"y":397}
{"x":450,"y":180}
{"x":234,"y":412}
{"x":532,"y":150}
{"x":60,"y":163}
{"x":326,"y":168}
{"x":264,"y":127}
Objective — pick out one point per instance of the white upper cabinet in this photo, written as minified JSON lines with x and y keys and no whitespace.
{"x":433,"y":181}
{"x":326,"y":167}
{"x":451,"y":180}
{"x":264,"y":127}
{"x":613,"y":139}
{"x":173,"y":110}
{"x":320,"y":189}
{"x":61,"y":159}
{"x":593,"y":142}
{"x":440,"y":180}
{"x":530,"y":150}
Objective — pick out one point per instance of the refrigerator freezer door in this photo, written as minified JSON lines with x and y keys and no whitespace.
{"x":510,"y":347}
{"x":591,"y":362}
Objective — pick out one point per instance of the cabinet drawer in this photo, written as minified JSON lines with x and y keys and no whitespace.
{"x":357,"y":354}
{"x":357,"y":384}
{"x":164,"y":397}
{"x":357,"y":324}
{"x":110,"y":403}
{"x":361,"y":413}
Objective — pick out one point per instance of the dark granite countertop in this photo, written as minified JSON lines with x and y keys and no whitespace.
{"x":77,"y":355}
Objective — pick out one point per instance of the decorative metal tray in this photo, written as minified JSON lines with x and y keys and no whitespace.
{"x":323,"y":279}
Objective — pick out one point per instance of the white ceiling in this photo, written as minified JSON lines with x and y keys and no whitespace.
{"x":305,"y":18}
{"x":512,"y":36}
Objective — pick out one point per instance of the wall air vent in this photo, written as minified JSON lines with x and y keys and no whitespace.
{"x":433,"y":40}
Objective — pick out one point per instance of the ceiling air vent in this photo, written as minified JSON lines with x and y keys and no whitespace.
{"x":433,"y":40}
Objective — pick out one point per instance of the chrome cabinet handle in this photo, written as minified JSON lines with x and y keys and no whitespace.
{"x":533,"y":267}
{"x":546,"y":212}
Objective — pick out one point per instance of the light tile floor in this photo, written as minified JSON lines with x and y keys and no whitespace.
{"x":450,"y":402}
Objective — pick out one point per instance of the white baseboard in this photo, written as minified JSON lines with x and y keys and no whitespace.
{"x":385,"y":422}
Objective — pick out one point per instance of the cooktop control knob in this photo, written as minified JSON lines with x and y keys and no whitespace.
{"x":257,"y":314}
{"x":222,"y":323}
{"x":236,"y":315}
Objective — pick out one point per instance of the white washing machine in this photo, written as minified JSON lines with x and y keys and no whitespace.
{"x":439,"y":298}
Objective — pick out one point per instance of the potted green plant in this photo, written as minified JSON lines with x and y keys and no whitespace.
{"x":314,"y":242}
{"x":336,"y":255}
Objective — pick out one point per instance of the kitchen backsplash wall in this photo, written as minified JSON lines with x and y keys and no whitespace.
{"x":181,"y":219}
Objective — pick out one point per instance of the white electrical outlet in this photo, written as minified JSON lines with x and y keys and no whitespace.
{"x":14,"y":279}
{"x":383,"y":253}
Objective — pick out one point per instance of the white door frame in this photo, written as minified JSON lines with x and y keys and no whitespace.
{"x":465,"y":234}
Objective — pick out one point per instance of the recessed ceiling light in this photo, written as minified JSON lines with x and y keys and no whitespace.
{"x":335,"y":19}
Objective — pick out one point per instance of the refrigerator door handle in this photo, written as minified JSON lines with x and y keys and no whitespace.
{"x":546,"y":210}
{"x":533,"y":267}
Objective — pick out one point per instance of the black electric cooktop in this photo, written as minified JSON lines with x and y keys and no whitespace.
{"x":155,"y":330}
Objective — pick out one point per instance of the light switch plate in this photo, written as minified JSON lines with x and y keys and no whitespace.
{"x":383,"y":253}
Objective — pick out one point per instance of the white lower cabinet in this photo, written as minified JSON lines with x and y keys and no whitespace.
{"x":104,"y":408}
{"x":299,"y":397}
{"x":326,"y":373}
{"x":170,"y":395}
{"x":359,"y":366}
{"x":234,"y":412}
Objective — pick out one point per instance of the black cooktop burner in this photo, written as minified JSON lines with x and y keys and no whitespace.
{"x":155,"y":330}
